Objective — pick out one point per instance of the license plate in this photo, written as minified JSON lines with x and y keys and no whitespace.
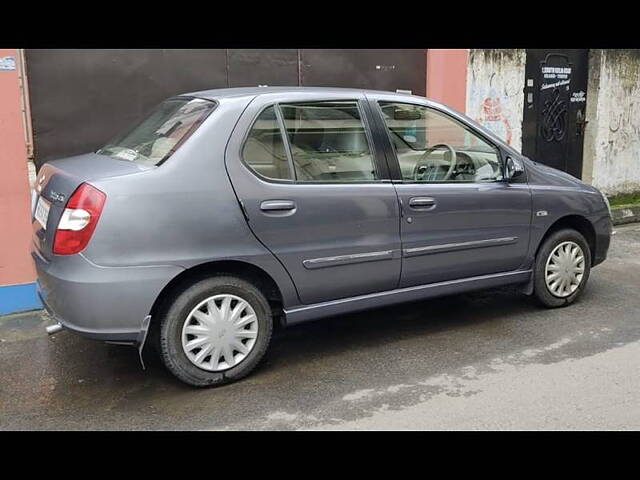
{"x":42,"y":212}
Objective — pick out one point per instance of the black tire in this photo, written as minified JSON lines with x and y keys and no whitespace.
{"x":176,"y":313}
{"x":541,"y":291}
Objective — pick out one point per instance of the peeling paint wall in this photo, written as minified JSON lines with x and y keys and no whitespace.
{"x":495,"y":98}
{"x":612,"y":136}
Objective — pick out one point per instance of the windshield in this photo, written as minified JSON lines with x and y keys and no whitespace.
{"x":157,"y":137}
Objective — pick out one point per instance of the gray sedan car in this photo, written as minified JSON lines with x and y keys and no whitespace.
{"x":229,"y":212}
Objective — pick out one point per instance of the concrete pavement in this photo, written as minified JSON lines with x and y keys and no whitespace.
{"x":487,"y":360}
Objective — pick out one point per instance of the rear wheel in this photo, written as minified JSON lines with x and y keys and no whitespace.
{"x":216,"y":331}
{"x":562,"y":268}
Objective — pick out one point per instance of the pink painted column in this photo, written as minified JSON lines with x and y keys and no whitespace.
{"x":447,"y":77}
{"x":16,"y":266}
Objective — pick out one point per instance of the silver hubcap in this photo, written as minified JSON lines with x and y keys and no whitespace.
{"x":220,"y":332}
{"x":564,"y":269}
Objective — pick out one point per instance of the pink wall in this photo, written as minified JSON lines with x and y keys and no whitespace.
{"x":15,"y":225}
{"x":447,"y":76}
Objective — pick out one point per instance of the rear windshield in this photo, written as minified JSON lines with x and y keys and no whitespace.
{"x":156,"y":138}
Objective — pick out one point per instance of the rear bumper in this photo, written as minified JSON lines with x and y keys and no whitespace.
{"x":104,"y":303}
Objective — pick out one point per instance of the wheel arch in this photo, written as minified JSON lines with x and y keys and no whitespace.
{"x":575,"y":222}
{"x":238,"y":268}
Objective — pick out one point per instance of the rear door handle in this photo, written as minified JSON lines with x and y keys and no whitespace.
{"x":277,"y":205}
{"x":422,"y":203}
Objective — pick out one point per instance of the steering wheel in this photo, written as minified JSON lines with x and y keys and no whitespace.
{"x":423,"y":163}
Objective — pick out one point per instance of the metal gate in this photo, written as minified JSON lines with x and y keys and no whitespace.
{"x":554,"y":108}
{"x":372,"y":69}
{"x":82,"y":98}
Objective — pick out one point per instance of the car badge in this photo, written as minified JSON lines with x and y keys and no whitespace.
{"x":57,"y":197}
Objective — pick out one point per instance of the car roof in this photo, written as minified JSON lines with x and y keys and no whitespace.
{"x":218,"y":93}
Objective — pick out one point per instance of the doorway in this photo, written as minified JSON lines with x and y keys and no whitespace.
{"x":555,"y":100}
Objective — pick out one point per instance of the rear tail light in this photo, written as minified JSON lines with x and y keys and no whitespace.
{"x":78,"y":220}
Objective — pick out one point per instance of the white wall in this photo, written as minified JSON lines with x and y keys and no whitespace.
{"x":495,"y":98}
{"x":612,"y":136}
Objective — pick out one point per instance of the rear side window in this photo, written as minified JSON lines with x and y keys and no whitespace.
{"x":264,"y":149}
{"x":323,"y":142}
{"x":328,"y":142}
{"x":155,"y":139}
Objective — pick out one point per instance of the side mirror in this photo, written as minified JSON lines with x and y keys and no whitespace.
{"x":514,"y":168}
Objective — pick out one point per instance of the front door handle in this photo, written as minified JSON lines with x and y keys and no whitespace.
{"x":422,"y":203}
{"x":277,"y":205}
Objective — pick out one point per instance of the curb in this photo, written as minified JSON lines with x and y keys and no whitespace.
{"x":625,"y":214}
{"x":19,"y":298}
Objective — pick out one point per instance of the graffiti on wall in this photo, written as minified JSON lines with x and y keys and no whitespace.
{"x":492,"y":114}
{"x":494,"y":92}
{"x":623,"y":138}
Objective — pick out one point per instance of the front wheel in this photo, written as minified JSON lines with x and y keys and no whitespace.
{"x":216,"y":331}
{"x":562,"y":268}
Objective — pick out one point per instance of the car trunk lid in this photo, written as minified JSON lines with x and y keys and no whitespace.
{"x":56,"y":182}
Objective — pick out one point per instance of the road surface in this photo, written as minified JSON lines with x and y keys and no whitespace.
{"x":487,"y":360}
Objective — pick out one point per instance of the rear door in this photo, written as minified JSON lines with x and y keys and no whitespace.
{"x":459,"y":217}
{"x":316,"y":192}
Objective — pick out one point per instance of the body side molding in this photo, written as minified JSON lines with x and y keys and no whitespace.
{"x":347,"y":259}
{"x":451,"y":247}
{"x":400,"y":295}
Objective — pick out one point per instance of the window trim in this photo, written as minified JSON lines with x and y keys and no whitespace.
{"x":382,"y":173}
{"x":397,"y":172}
{"x":285,"y":142}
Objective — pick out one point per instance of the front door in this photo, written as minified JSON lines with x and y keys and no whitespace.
{"x":316,"y":193}
{"x":554,"y":108}
{"x":460,"y":218}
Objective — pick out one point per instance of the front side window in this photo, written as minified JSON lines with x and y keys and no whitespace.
{"x":433,"y":147}
{"x":161,"y":133}
{"x":328,"y":142}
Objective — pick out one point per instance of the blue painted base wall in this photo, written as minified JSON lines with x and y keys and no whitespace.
{"x":18,"y":298}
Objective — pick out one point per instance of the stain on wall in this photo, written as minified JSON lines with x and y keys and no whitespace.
{"x":612,"y":143}
{"x":495,"y":98}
